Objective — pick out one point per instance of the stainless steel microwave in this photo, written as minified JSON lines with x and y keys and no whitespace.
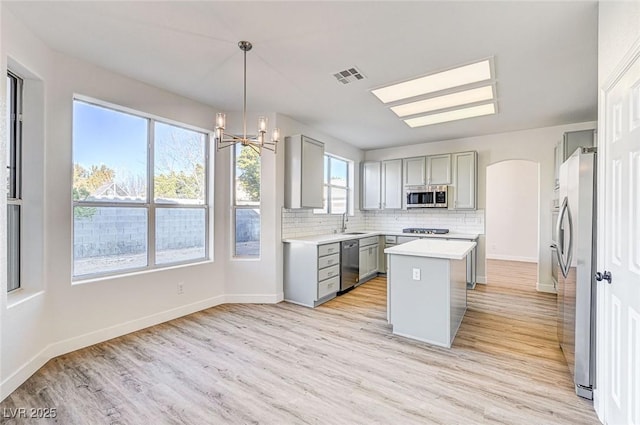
{"x":427,"y":196}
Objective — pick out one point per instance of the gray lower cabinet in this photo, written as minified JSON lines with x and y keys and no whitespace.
{"x":368,"y":258}
{"x":311,"y":273}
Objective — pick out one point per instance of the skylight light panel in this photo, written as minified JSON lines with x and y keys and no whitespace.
{"x":457,"y":114}
{"x":442,"y":102}
{"x":475,"y":72}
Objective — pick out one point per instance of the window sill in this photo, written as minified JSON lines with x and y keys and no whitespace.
{"x":243,"y":259}
{"x":124,"y":275}
{"x":20,"y":296}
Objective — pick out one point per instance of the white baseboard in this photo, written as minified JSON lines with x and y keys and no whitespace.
{"x":253,"y":298}
{"x":546,"y":287}
{"x":59,"y":348}
{"x":65,"y":346}
{"x":511,"y":258}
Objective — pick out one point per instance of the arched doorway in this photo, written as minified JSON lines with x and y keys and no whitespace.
{"x":512,"y":227}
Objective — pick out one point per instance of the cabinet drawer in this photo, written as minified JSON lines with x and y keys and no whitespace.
{"x":405,"y":239}
{"x":390,"y":239}
{"x":371,"y":240}
{"x":332,"y":248}
{"x":329,"y":286}
{"x":328,"y":272}
{"x":329,"y":260}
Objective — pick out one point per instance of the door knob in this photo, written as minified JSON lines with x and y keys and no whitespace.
{"x":603,"y":276}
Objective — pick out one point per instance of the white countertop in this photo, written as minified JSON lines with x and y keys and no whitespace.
{"x":338,"y":237}
{"x":434,"y":248}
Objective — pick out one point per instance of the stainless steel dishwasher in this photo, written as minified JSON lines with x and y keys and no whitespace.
{"x":350,"y":264}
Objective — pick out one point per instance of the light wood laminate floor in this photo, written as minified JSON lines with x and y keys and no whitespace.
{"x":336,"y":364}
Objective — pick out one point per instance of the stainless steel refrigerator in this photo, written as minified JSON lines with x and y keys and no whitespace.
{"x":575,"y":247}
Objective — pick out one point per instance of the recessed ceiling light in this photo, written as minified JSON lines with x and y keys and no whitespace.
{"x":457,"y":114}
{"x":441,"y":102}
{"x":479,"y":71}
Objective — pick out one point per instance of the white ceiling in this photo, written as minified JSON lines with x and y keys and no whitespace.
{"x":545,"y":56}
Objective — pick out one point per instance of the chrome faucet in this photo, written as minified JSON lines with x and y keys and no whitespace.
{"x":345,"y":219}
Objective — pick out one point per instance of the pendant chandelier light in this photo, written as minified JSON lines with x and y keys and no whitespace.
{"x":257,"y":142}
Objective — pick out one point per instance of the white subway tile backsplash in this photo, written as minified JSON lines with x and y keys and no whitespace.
{"x":300,"y":223}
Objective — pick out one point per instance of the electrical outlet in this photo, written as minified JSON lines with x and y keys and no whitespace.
{"x":416,"y":274}
{"x":180,"y":288}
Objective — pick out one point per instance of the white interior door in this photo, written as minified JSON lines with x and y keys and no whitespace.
{"x":619,"y":228}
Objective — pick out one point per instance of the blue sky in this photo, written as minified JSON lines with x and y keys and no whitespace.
{"x":119,"y":141}
{"x":104,"y":136}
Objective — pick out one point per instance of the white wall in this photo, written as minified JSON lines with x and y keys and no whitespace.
{"x":52,"y":315}
{"x":512,"y":211}
{"x":533,"y":145}
{"x":262,"y":280}
{"x":25,"y":324}
{"x":618,"y":30}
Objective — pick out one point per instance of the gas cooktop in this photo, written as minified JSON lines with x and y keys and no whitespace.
{"x":425,"y":231}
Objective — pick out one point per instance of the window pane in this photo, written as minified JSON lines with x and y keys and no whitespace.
{"x":247,"y":232}
{"x":11,"y":138}
{"x":247,"y":174}
{"x":338,"y":200}
{"x":180,"y":234}
{"x":179,"y":164}
{"x":13,"y":143}
{"x":13,"y":247}
{"x":326,"y":169}
{"x":109,"y":155}
{"x":107,"y":239}
{"x":338,"y":172}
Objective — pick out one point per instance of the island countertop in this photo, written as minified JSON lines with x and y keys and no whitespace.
{"x":434,"y":248}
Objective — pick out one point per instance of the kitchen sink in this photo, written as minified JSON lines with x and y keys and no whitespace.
{"x":355,"y":233}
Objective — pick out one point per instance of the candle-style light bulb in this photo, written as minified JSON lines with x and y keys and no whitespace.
{"x":220,"y":120}
{"x":262,"y":124}
{"x":275,"y":135}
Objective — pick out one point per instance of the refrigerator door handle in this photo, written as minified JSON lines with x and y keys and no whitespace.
{"x":559,"y":244}
{"x":567,"y":265}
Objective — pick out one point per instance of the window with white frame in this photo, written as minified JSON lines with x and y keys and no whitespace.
{"x":246,"y":201}
{"x":337,"y":189}
{"x":121,"y":222}
{"x":14,"y":173}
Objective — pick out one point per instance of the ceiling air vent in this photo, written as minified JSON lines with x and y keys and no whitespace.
{"x":349,"y":76}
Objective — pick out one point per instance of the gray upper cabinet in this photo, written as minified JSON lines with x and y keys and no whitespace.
{"x":392,"y":184}
{"x":465,"y":165}
{"x":439,"y":169}
{"x":415,"y":171}
{"x":381,"y":183}
{"x":433,"y":169}
{"x":304,"y":172}
{"x":571,"y":140}
{"x":370,"y":181}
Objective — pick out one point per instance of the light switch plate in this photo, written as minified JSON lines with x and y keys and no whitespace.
{"x":416,"y":274}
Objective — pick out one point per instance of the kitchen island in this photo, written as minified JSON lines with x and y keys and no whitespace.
{"x":427,"y":289}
